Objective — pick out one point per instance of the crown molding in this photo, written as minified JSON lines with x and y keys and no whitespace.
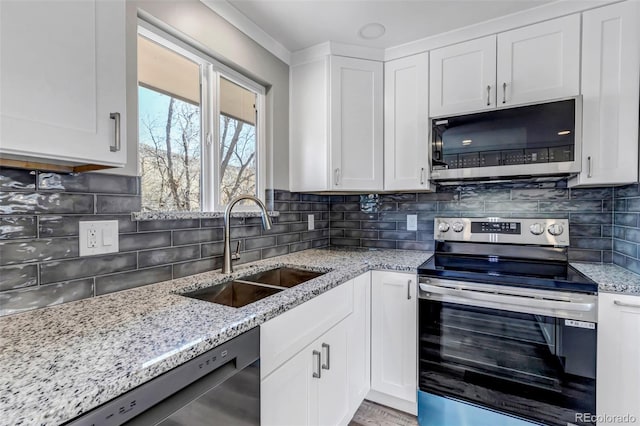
{"x":512,"y":21}
{"x":248,"y":27}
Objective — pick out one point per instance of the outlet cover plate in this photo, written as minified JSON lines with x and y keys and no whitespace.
{"x":412,"y":222}
{"x":311,"y":223}
{"x":98,"y":237}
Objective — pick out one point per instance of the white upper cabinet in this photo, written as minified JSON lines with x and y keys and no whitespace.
{"x":336,"y":125}
{"x":462,"y":77}
{"x":539,"y":62}
{"x":610,"y":87}
{"x":356,"y":123}
{"x":406,"y":132}
{"x":618,"y":373}
{"x":62,"y":78}
{"x":535,"y":63}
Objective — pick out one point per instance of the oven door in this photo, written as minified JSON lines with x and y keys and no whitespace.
{"x":525,"y":353}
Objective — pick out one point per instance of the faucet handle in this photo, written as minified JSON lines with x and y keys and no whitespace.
{"x":236,"y":255}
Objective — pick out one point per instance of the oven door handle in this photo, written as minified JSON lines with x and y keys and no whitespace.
{"x":509,"y":299}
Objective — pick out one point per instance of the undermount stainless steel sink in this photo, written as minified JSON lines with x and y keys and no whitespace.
{"x":233,"y":293}
{"x":251,"y":288}
{"x":283,"y":277}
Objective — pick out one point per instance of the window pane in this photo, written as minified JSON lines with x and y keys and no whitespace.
{"x":238,"y":142}
{"x":170,"y":159}
{"x":169,"y":128}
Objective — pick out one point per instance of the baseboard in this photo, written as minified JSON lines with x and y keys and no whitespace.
{"x":393,"y":402}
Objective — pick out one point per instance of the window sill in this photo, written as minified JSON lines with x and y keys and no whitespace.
{"x":141,"y":216}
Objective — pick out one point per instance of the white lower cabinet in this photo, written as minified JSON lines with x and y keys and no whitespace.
{"x":618,"y":373}
{"x":315,"y":359}
{"x":359,"y":343}
{"x":320,"y":360}
{"x":393,"y":340}
{"x":310,"y":388}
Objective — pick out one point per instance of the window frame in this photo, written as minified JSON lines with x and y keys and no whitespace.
{"x":211,"y":70}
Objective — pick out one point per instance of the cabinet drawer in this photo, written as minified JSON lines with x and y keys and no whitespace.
{"x":287,"y":334}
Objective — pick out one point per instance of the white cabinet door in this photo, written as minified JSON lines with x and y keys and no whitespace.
{"x":332,"y":395}
{"x":462,"y":77}
{"x":618,"y":379}
{"x":309,"y":165}
{"x":62,"y":75}
{"x":393,"y":337}
{"x":406,"y":158}
{"x":610,"y":86}
{"x":359,"y":343}
{"x":539,"y":62}
{"x":287,"y":394}
{"x":356,"y":124}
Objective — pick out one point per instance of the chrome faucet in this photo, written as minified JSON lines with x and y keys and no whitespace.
{"x":227,"y":267}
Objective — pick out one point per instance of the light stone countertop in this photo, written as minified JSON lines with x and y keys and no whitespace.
{"x":611,"y":278}
{"x":59,"y":362}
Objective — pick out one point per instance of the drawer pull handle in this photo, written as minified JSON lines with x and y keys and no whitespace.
{"x":327,"y":366}
{"x":117,"y":142}
{"x":318,"y":374}
{"x":625,"y":304}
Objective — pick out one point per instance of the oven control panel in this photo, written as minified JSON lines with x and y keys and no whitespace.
{"x":495,"y":227}
{"x":545,"y":232}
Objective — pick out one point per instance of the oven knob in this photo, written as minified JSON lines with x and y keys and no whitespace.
{"x":555,"y":229}
{"x":458,"y":226}
{"x":536,"y":229}
{"x":443,"y":227}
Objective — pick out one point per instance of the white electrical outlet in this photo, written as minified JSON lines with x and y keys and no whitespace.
{"x":98,"y":237}
{"x":412,"y":222}
{"x":311,"y":222}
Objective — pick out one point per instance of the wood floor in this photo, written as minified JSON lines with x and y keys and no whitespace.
{"x":371,"y":414}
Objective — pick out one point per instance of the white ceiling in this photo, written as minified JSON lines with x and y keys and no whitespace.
{"x":298,"y":24}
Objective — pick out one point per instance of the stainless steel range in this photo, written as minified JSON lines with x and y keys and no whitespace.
{"x":507,"y":328}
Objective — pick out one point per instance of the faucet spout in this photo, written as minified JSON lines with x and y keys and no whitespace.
{"x":227,"y":266}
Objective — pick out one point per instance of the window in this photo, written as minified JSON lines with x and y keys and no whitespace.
{"x":200,"y":133}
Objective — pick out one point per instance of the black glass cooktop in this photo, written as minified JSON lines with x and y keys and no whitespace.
{"x":556,"y":275}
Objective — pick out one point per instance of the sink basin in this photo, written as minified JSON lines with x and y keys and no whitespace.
{"x":233,"y":293}
{"x":283,"y":277}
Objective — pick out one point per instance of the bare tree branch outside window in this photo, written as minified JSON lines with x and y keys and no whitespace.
{"x":170,"y":155}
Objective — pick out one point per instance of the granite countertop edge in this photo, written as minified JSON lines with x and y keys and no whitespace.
{"x":60,"y":362}
{"x":611,"y":278}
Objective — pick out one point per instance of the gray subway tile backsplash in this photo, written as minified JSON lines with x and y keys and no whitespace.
{"x":39,"y":215}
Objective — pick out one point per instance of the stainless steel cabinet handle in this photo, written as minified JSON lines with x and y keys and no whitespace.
{"x":327,"y":366}
{"x":336,"y":176}
{"x":504,"y":93}
{"x":422,"y":176}
{"x":626,"y":305}
{"x":589,"y":167}
{"x":117,"y":144}
{"x":488,"y":95}
{"x":409,"y":290}
{"x":318,"y":374}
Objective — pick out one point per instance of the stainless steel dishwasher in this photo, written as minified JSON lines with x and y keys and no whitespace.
{"x":219,"y":387}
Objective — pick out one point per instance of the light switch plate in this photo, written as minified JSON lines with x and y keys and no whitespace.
{"x":412,"y":222}
{"x":312,"y":222}
{"x":98,"y":237}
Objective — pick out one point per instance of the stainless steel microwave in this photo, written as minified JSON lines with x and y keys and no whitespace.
{"x":533,"y":140}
